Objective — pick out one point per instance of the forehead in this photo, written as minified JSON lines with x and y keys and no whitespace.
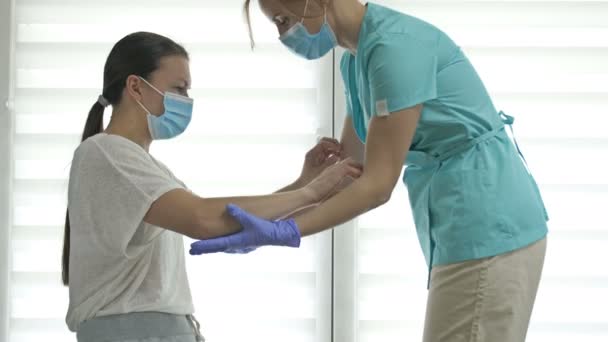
{"x":271,"y":8}
{"x":175,"y":66}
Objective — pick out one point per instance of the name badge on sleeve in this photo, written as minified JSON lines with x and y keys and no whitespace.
{"x":382,"y":108}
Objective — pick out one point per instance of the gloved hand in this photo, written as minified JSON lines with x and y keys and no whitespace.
{"x":240,"y":250}
{"x":256,"y":232}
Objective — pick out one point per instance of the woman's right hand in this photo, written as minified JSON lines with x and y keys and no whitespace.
{"x":326,"y":184}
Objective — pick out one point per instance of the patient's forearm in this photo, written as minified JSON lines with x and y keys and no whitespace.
{"x":291,"y":187}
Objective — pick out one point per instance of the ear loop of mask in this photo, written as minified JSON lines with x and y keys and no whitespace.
{"x":155,"y":89}
{"x":150,"y":84}
{"x":306,"y":9}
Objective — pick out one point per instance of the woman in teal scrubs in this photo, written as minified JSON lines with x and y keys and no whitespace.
{"x":414,"y":99}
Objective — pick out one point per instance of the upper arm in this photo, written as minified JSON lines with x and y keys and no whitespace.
{"x":177,"y":210}
{"x":347,"y":71}
{"x":112,"y":187}
{"x":388,"y":141}
{"x":402,"y":73}
{"x":352,"y":146}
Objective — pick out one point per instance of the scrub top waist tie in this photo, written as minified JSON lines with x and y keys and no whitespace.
{"x":431,"y":163}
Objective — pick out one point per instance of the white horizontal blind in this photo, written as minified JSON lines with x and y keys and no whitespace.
{"x":546,"y":63}
{"x":255,"y":116}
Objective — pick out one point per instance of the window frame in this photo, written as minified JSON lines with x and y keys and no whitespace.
{"x":7,"y":18}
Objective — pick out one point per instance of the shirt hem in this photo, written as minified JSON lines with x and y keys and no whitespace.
{"x":512,"y":244}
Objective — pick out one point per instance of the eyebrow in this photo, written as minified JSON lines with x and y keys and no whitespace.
{"x":292,"y":14}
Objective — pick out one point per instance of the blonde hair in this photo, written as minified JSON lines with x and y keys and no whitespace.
{"x":247,"y":14}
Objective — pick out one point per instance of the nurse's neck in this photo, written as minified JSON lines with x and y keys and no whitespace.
{"x":131,"y":125}
{"x":346,"y":17}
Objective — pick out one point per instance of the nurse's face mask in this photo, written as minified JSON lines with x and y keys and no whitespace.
{"x":310,"y":46}
{"x":175,"y":119}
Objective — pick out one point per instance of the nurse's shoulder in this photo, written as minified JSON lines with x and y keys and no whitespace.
{"x":399,"y":30}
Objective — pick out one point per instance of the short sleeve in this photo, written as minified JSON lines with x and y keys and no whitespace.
{"x":346,"y":72}
{"x":112,"y":186}
{"x":402,"y":73}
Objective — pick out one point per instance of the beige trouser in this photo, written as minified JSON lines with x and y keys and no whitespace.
{"x":485,"y":300}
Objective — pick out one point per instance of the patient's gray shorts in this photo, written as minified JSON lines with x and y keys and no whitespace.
{"x":140,"y":327}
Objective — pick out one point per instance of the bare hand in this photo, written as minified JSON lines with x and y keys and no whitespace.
{"x":326,"y":184}
{"x":324,"y":154}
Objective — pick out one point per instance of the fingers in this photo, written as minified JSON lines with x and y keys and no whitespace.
{"x":350,"y":161}
{"x":247,"y":220}
{"x":208,"y":246}
{"x":354,"y":172}
{"x":325,"y":148}
{"x":234,"y":210}
{"x":328,"y":140}
{"x":238,"y":214}
{"x":331,"y":160}
{"x":330,"y":146}
{"x":351,"y":167}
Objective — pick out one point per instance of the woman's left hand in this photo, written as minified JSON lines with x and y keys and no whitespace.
{"x":326,"y":153}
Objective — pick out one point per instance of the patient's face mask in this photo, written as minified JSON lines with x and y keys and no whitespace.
{"x":175,"y":119}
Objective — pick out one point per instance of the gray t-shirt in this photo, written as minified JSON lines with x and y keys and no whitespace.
{"x":118,"y":263}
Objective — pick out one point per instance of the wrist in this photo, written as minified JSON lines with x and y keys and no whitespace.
{"x":293,"y":186}
{"x":308,"y":195}
{"x":298,"y":183}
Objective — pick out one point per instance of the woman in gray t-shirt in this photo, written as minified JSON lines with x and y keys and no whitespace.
{"x":123,"y":257}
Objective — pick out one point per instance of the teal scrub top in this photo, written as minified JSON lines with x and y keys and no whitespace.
{"x":470,"y":192}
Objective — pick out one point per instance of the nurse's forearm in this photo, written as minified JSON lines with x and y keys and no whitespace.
{"x":388,"y":141}
{"x":361,"y":196}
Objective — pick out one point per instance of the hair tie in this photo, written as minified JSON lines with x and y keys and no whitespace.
{"x":103,"y":101}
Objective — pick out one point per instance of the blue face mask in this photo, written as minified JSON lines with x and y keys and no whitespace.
{"x":175,"y":119}
{"x":310,"y":46}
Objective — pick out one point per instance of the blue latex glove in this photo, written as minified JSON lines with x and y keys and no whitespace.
{"x":256,"y":232}
{"x":240,"y":250}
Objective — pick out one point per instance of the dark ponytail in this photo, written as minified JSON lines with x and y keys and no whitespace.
{"x":138,"y":54}
{"x":94,"y":125}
